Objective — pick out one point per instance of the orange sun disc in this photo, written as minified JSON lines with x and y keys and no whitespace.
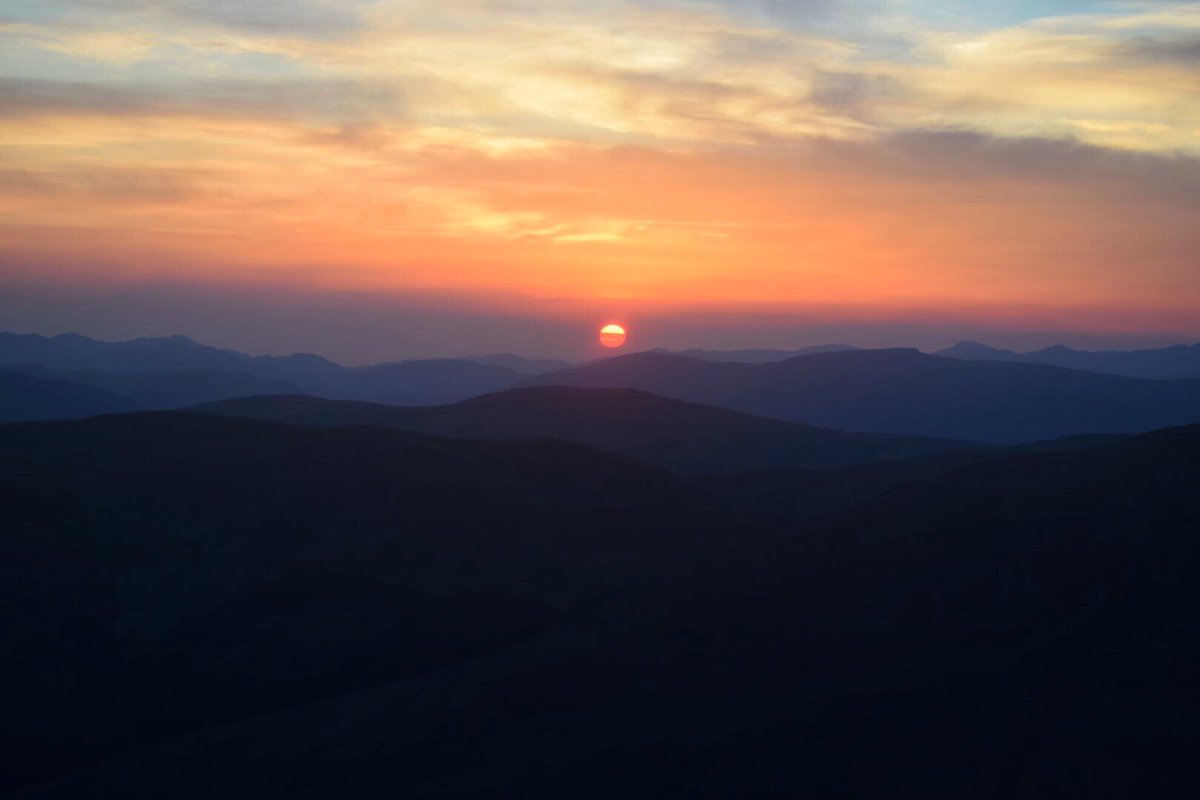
{"x":612,"y":336}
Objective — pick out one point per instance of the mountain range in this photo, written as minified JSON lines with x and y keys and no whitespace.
{"x":904,"y":391}
{"x":1177,"y":361}
{"x":174,"y":371}
{"x":968,"y":392}
{"x":685,"y":437}
{"x":755,"y":355}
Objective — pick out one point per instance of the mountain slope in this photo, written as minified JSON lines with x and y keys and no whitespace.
{"x":424,"y":382}
{"x":28,"y":397}
{"x":1023,"y":627}
{"x":164,"y":571}
{"x":521,"y":364}
{"x":758,"y":355}
{"x":194,"y":373}
{"x":157,"y":355}
{"x":907,"y":392}
{"x":684,"y":437}
{"x":169,"y":389}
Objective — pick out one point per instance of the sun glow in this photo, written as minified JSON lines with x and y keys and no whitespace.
{"x":612,"y":335}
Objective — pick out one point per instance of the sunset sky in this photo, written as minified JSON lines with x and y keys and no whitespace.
{"x":401,"y":177}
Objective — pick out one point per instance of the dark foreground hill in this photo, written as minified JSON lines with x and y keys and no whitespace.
{"x":163,"y":571}
{"x":907,"y":392}
{"x":246,"y":609}
{"x":685,"y":437}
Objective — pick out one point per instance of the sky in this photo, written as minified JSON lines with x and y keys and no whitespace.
{"x":384,"y":178}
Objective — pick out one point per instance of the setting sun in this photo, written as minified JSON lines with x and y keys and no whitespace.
{"x":612,"y":335}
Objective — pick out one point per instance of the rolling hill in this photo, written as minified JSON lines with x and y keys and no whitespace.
{"x":166,"y":570}
{"x":684,"y":437}
{"x":166,"y":390}
{"x":756,"y":355}
{"x":29,"y":397}
{"x":906,"y":392}
{"x":244,"y":609}
{"x":423,"y":382}
{"x":174,"y":371}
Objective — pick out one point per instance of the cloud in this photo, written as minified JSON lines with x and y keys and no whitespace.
{"x":677,"y":73}
{"x":1181,"y":50}
{"x":315,"y":100}
{"x":119,"y":185}
{"x":313,"y":18}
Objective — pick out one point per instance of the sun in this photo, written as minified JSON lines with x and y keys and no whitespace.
{"x":612,"y":335}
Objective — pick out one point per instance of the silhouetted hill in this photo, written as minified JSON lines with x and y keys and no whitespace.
{"x":169,"y":389}
{"x":27,"y":397}
{"x":166,"y":570}
{"x":185,"y":365}
{"x":424,"y":382}
{"x":906,"y":392}
{"x":805,"y":494}
{"x":156,"y":355}
{"x":685,"y":437}
{"x":758,"y":355}
{"x":521,"y":364}
{"x":1022,"y":626}
{"x":1178,"y":361}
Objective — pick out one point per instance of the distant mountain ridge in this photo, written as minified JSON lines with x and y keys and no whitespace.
{"x":24,"y":397}
{"x":904,"y":391}
{"x":168,"y":389}
{"x":685,"y":437}
{"x":757,"y":355}
{"x":1177,"y":361}
{"x":175,"y":371}
{"x":986,"y":396}
{"x":154,"y":355}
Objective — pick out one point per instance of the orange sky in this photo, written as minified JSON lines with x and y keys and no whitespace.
{"x":624,"y":156}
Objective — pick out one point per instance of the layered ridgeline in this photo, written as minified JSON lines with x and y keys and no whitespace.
{"x":1177,"y":361}
{"x":687,"y":438}
{"x":198,"y":606}
{"x":906,"y":392}
{"x":880,"y":391}
{"x":24,"y":397}
{"x":174,"y":371}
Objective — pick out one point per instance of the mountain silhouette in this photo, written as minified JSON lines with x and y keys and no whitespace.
{"x":757,"y":355}
{"x":906,"y":392}
{"x":154,"y":355}
{"x":228,"y":607}
{"x":1177,"y":361}
{"x":685,"y":437}
{"x":423,"y":382}
{"x":156,"y":547}
{"x":173,"y":371}
{"x":169,"y":389}
{"x":521,"y":364}
{"x":29,"y":397}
